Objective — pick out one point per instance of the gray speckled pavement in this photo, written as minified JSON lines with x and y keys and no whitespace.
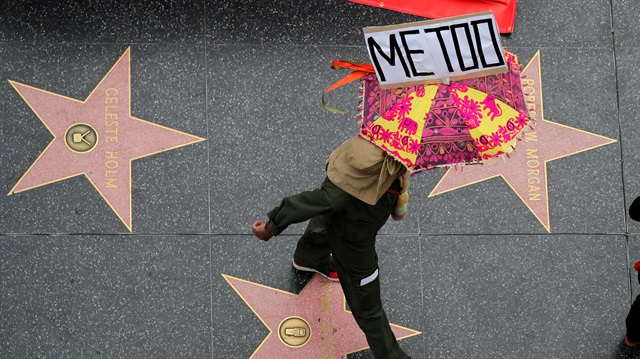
{"x":141,"y":267}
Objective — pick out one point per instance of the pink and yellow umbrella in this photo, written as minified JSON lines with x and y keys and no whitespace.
{"x":430,"y":126}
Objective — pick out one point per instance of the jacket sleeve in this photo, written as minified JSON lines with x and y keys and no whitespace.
{"x":299,"y":208}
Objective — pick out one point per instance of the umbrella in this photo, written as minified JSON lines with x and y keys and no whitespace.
{"x":429,"y":126}
{"x":504,"y":10}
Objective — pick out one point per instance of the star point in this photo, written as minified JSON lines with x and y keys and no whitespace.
{"x":97,"y":138}
{"x":321,"y":304}
{"x":525,"y":171}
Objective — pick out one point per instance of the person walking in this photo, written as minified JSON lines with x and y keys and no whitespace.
{"x":345,"y":214}
{"x":633,"y":318}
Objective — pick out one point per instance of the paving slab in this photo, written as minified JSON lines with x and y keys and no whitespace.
{"x":270,"y":136}
{"x":629,"y":97}
{"x":160,"y":183}
{"x":565,"y":24}
{"x":108,"y":21}
{"x":332,"y":22}
{"x":515,"y":279}
{"x":104,"y":296}
{"x":543,"y":23}
{"x":268,"y":265}
{"x":561,"y":296}
{"x":583,"y":185}
{"x":625,"y":23}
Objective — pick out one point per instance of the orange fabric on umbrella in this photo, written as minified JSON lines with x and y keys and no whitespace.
{"x":503,"y":10}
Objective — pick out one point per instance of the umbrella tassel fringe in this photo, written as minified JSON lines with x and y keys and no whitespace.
{"x":360,"y":109}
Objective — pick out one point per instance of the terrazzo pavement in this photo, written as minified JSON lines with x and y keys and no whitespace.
{"x":247,"y":76}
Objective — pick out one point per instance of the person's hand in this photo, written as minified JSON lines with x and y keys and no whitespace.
{"x":262,"y":230}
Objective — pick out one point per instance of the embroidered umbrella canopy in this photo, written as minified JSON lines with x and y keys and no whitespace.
{"x":440,"y":125}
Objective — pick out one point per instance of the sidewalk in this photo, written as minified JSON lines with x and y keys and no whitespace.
{"x":151,"y":259}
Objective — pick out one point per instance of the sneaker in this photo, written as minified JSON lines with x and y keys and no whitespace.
{"x":332,"y":275}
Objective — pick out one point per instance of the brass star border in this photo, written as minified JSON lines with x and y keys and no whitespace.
{"x":97,"y":138}
{"x":525,"y":171}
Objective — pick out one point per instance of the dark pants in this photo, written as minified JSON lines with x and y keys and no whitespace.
{"x":354,"y":261}
{"x":633,"y":321}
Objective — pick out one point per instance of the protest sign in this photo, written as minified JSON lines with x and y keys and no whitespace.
{"x":436,"y":51}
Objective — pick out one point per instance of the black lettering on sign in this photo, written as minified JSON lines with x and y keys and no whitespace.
{"x":409,"y":52}
{"x":443,"y":46}
{"x":456,"y":44}
{"x":394,"y":48}
{"x":494,"y":41}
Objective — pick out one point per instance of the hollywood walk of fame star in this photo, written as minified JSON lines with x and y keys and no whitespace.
{"x":321,"y":304}
{"x":525,"y":171}
{"x":96,"y":137}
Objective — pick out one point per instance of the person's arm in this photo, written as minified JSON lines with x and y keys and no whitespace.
{"x":262,"y":230}
{"x":294,"y":209}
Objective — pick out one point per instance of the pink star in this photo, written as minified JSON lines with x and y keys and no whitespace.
{"x":525,"y":170}
{"x":334,"y":332}
{"x":97,"y":138}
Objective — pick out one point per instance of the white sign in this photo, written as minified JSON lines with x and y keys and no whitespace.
{"x":436,"y":50}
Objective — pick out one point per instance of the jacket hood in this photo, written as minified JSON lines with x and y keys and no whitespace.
{"x":363,"y":170}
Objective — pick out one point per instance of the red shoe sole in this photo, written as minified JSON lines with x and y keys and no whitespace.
{"x":307,"y":269}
